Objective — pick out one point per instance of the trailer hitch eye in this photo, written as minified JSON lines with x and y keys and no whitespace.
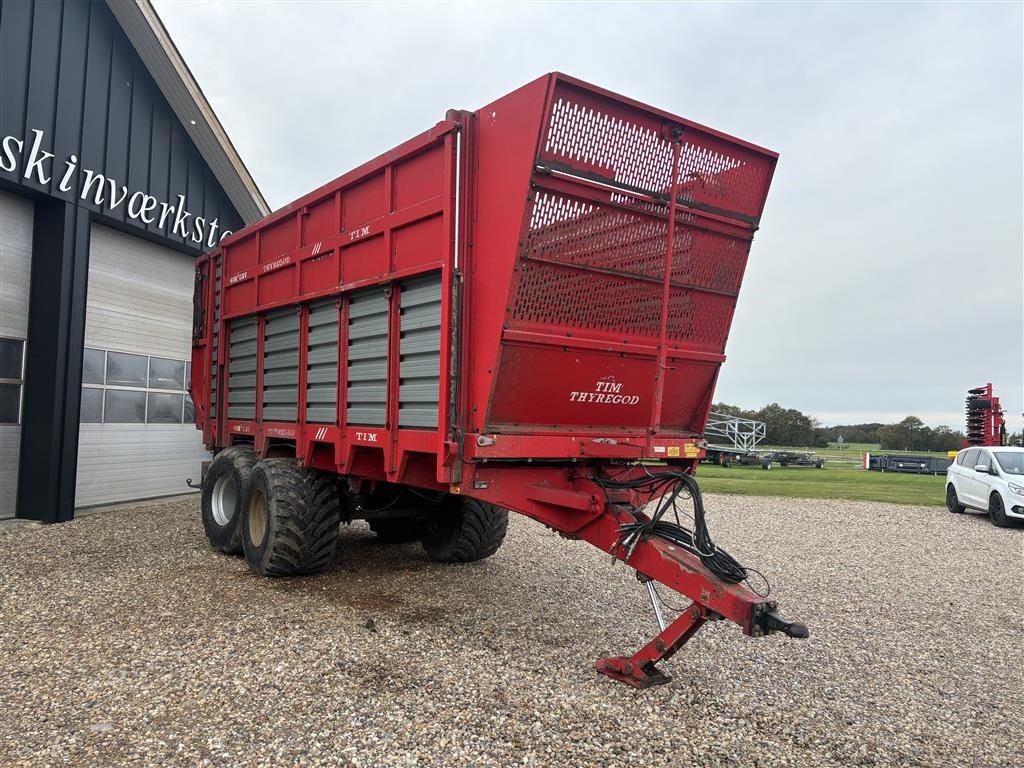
{"x":772,"y":622}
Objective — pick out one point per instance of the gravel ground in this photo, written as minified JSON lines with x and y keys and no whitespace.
{"x":125,"y":641}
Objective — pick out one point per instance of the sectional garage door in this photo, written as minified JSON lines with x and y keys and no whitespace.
{"x":15,"y":277}
{"x":137,"y":438}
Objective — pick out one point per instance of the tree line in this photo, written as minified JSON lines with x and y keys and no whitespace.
{"x":790,"y":427}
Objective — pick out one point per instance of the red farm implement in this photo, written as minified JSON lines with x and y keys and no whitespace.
{"x":985,"y":422}
{"x":523,"y":308}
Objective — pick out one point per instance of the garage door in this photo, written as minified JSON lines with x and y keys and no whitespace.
{"x":137,"y":437}
{"x":15,"y":278}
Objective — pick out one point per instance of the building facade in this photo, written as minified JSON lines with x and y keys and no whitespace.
{"x":114,"y":175}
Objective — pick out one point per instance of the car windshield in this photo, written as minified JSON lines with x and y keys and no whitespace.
{"x":1011,"y":463}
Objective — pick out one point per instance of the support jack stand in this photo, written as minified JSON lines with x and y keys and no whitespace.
{"x":639,"y":670}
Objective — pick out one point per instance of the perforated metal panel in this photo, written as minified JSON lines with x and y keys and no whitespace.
{"x":281,"y":366}
{"x":216,"y":336}
{"x":322,"y":363}
{"x":367,"y":388}
{"x":633,"y":154}
{"x":575,"y":250}
{"x":420,"y":352}
{"x":242,"y":368}
{"x":631,"y":148}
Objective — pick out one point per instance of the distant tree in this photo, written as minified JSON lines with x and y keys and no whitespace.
{"x":946,"y":439}
{"x":732,"y":410}
{"x":787,"y":426}
{"x":911,"y":434}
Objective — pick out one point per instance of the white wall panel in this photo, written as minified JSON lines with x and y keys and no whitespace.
{"x":140,"y":296}
{"x":124,"y":462}
{"x":139,"y":301}
{"x":15,"y":264}
{"x":15,"y":277}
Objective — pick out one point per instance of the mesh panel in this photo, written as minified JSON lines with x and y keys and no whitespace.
{"x":568,"y":239}
{"x":629,"y":149}
{"x":621,"y":150}
{"x":722,"y":176}
{"x":215,"y":338}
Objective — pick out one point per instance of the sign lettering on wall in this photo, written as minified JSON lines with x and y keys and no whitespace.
{"x":173,"y":218}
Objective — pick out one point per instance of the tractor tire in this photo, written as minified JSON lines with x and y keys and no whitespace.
{"x":464,"y":530}
{"x":224,"y":491}
{"x":290,"y":521}
{"x":953,"y":501}
{"x":996,"y":512}
{"x":396,"y":530}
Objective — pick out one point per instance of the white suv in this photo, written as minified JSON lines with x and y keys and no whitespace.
{"x":990,"y":480}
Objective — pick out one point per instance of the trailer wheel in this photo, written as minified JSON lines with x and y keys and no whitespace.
{"x":227,"y":482}
{"x":291,"y":518}
{"x":464,"y":530}
{"x":396,"y":530}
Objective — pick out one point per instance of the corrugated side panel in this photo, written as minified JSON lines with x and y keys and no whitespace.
{"x":367,"y":387}
{"x":322,"y":363}
{"x":420,"y":352}
{"x":281,"y":366}
{"x":242,"y":368}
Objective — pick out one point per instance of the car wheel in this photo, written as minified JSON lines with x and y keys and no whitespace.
{"x":952,"y":501}
{"x":996,"y":513}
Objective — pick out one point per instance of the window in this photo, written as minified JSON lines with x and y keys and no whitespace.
{"x":92,"y":406}
{"x":12,"y":372}
{"x":125,"y":370}
{"x":93,"y":364}
{"x":971,"y":458}
{"x":166,"y":374}
{"x":11,"y":353}
{"x":124,"y":406}
{"x":163,"y":408}
{"x":123,"y":388}
{"x":1012,"y":462}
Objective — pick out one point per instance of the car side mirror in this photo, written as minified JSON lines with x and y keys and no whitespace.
{"x":983,"y":468}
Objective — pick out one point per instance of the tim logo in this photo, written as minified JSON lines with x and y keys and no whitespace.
{"x":367,"y":437}
{"x":606,"y":390}
{"x":355,"y":234}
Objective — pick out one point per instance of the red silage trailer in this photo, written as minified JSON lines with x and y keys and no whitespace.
{"x":523,"y":308}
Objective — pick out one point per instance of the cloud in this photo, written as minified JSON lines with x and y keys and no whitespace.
{"x":888,"y":275}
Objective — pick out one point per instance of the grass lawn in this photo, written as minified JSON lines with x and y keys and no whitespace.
{"x":828,"y":483}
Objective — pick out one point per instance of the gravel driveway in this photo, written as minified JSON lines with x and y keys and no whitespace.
{"x":125,"y":641}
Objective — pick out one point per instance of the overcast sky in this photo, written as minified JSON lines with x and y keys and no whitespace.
{"x":888,"y":275}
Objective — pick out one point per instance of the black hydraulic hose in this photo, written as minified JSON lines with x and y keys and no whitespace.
{"x":668,"y":487}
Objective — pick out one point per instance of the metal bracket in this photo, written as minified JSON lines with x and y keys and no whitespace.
{"x":639,"y":670}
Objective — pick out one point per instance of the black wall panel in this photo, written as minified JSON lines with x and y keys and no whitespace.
{"x":68,"y":69}
{"x":67,"y":132}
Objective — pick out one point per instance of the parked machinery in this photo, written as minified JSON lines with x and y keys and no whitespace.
{"x":732,"y":439}
{"x":985,"y":422}
{"x":523,"y":308}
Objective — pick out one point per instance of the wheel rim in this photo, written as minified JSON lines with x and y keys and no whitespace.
{"x":257,"y":518}
{"x":996,"y":506}
{"x":950,"y":497}
{"x":224,"y":500}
